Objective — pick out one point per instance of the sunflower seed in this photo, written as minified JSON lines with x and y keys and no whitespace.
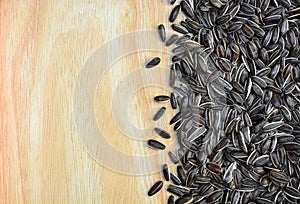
{"x":214,"y":168}
{"x":272,"y":126}
{"x":152,"y":63}
{"x":184,"y":199}
{"x":166,"y":172}
{"x":172,"y":2}
{"x":186,"y":9}
{"x":224,"y":64}
{"x":162,"y":32}
{"x":162,"y":133}
{"x":155,"y":188}
{"x":291,"y":146}
{"x":292,"y":192}
{"x":216,"y":3}
{"x":156,"y":145}
{"x":159,"y":113}
{"x":171,"y":39}
{"x":214,"y":196}
{"x":197,"y":133}
{"x":179,"y":29}
{"x":223,"y":19}
{"x":263,"y":201}
{"x":173,"y":101}
{"x":173,"y":157}
{"x":175,"y":179}
{"x":161,"y":98}
{"x":171,"y":199}
{"x":228,"y":175}
{"x":174,"y":13}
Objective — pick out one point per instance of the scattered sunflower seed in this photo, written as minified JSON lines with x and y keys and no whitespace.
{"x":152,"y":63}
{"x":155,"y":188}
{"x":159,"y":113}
{"x":156,"y":144}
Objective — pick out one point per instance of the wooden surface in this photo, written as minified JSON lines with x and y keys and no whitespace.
{"x":43,"y":47}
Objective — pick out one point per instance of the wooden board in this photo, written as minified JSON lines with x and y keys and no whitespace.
{"x":43,"y":47}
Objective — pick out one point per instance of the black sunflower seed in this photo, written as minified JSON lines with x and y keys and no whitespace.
{"x":171,"y":199}
{"x":176,"y":118}
{"x":171,"y":39}
{"x":184,"y":199}
{"x":175,"y":179}
{"x":179,"y":29}
{"x":173,"y":157}
{"x":156,"y":144}
{"x":161,"y":98}
{"x":162,"y":32}
{"x":166,"y":172}
{"x":152,"y":63}
{"x":159,"y":113}
{"x":292,"y":192}
{"x":173,"y":101}
{"x":214,"y":168}
{"x":174,"y":13}
{"x":187,"y":9}
{"x":172,"y":2}
{"x":162,"y":133}
{"x":155,"y":188}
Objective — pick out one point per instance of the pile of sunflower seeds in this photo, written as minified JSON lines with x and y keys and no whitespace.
{"x":236,"y":85}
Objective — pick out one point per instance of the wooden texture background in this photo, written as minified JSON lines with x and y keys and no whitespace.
{"x":42,"y":49}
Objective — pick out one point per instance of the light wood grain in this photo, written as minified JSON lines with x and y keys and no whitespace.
{"x":42,"y":49}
